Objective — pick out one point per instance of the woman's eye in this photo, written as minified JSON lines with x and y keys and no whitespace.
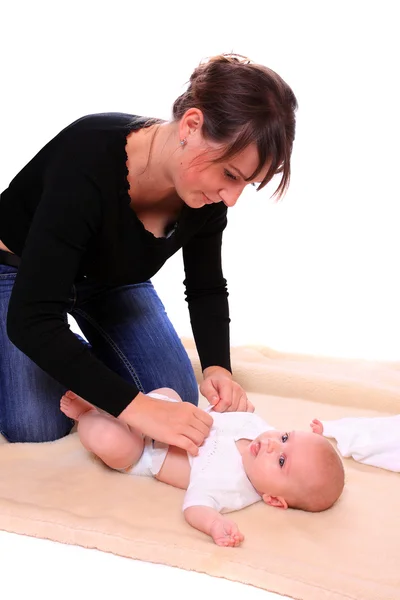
{"x":281,"y":461}
{"x":285,"y":437}
{"x":229,"y":175}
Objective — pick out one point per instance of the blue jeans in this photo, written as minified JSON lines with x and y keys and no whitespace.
{"x":128,"y":330}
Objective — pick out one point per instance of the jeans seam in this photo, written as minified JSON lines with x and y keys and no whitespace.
{"x":113,"y":345}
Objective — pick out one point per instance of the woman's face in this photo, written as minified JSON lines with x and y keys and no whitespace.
{"x":199,"y":181}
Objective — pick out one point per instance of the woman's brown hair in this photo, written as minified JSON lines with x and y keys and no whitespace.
{"x":243,"y":103}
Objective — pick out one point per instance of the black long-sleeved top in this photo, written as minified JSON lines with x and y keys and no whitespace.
{"x":67,"y":215}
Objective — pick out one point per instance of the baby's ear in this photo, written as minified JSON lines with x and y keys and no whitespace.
{"x":277,"y":501}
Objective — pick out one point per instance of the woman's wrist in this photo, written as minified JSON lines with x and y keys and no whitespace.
{"x":134,"y":407}
{"x":216,"y":370}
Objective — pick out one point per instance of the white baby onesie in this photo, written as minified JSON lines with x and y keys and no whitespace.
{"x":373,"y":441}
{"x":217,"y":477}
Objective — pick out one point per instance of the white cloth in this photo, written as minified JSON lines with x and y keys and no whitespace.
{"x":217,"y":477}
{"x":372,"y":441}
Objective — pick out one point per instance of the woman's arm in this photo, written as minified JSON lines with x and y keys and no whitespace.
{"x":206,"y":292}
{"x":67,"y":217}
{"x":207,"y":297}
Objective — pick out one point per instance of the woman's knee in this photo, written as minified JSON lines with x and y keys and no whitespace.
{"x":29,"y":398}
{"x":22,"y":429}
{"x":32,"y":416}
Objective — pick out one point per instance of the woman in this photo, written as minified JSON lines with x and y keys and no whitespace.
{"x":93,"y":216}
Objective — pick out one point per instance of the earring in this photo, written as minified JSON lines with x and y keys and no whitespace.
{"x":183,"y":142}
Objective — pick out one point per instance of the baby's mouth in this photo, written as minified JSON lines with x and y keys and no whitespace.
{"x":254,"y":448}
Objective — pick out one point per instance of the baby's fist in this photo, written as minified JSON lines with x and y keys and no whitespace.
{"x":317,"y":426}
{"x":226,"y":533}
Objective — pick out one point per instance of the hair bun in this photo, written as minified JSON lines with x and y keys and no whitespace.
{"x":230,"y":58}
{"x":233,"y":59}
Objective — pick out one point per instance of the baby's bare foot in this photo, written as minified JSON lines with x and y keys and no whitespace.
{"x":74,"y":406}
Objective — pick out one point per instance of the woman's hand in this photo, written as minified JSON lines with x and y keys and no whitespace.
{"x":175,"y":423}
{"x":223,"y":393}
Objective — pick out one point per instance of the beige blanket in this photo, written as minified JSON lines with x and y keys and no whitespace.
{"x":58,"y":491}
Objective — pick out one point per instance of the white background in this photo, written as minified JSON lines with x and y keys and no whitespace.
{"x":317,"y":273}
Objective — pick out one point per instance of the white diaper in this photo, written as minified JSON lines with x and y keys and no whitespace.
{"x":154,"y":453}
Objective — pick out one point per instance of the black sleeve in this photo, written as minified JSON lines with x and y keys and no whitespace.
{"x":207,"y":294}
{"x":68,"y":215}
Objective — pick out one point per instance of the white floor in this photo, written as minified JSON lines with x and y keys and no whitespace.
{"x":31,"y":567}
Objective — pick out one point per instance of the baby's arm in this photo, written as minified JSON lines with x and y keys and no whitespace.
{"x":223,"y":531}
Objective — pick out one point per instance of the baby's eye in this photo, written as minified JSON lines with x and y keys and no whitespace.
{"x":285,"y":437}
{"x":282,"y":460}
{"x":229,"y":175}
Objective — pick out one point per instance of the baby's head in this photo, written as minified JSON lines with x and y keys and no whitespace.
{"x":294,"y":470}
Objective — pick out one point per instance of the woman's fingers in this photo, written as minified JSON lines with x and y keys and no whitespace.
{"x":185,"y":443}
{"x":176,"y":423}
{"x":195,"y":435}
{"x":249,"y":406}
{"x":241,"y":404}
{"x":201,"y":428}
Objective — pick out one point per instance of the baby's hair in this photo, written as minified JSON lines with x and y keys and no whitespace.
{"x":244,"y":103}
{"x":319,"y":493}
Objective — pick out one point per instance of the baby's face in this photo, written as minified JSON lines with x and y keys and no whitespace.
{"x":277,"y":461}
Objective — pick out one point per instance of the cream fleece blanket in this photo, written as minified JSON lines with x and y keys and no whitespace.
{"x":58,"y":491}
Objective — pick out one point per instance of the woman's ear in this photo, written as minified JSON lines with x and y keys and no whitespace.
{"x":191,"y":122}
{"x":277,"y":501}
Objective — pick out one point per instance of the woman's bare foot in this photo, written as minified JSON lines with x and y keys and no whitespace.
{"x":74,"y":406}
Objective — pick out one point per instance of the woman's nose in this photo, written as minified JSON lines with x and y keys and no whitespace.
{"x":229,"y":197}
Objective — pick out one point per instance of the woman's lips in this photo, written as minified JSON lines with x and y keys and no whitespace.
{"x":207,"y":199}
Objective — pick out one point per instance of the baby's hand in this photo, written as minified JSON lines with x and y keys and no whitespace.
{"x":225,"y":532}
{"x":317,"y":426}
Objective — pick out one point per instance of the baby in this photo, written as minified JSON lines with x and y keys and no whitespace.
{"x":242,"y":461}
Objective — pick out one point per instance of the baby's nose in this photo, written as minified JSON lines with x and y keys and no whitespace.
{"x":271,"y":445}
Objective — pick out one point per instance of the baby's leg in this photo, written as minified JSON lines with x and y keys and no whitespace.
{"x":112,"y":440}
{"x":175,"y":469}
